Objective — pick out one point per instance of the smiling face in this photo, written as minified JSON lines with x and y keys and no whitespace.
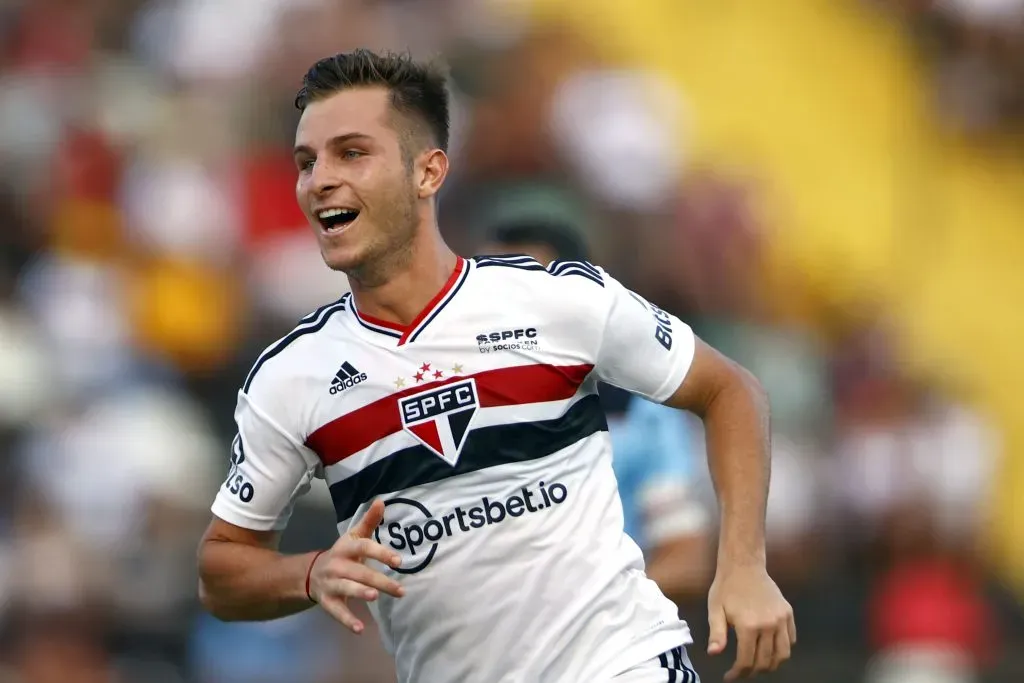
{"x":357,"y":180}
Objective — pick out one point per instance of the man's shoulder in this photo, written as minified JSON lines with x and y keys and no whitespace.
{"x":567,"y":296}
{"x":560,"y":278}
{"x":286,"y":359}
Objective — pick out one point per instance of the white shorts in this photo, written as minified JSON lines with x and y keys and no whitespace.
{"x":670,"y":667}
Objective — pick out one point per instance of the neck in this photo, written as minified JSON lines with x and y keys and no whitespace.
{"x":401,"y":296}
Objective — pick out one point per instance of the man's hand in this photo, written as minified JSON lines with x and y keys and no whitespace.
{"x":340,"y":573}
{"x":748,"y":599}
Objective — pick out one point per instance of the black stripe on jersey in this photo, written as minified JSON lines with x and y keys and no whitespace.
{"x":677,"y":666}
{"x":484,"y":447}
{"x":664,"y":664}
{"x":581,"y":268}
{"x":559,"y":264}
{"x":507,"y":258}
{"x":448,"y":297}
{"x":305,"y":327}
{"x":375,"y":328}
{"x":316,"y":314}
{"x":520,"y":261}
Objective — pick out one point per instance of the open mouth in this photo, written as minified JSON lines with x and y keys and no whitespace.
{"x":336,"y":220}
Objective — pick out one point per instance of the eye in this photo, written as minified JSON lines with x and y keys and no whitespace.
{"x":305,"y":164}
{"x":351,"y":154}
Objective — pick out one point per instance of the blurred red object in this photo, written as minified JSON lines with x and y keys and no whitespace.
{"x":88,"y":167}
{"x":932,"y":603}
{"x":52,"y":34}
{"x":269,"y":206}
{"x":82,"y":207}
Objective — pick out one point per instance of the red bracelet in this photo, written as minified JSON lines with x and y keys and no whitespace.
{"x":309,"y":574}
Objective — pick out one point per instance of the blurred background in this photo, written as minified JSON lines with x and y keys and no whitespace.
{"x":830,"y":191}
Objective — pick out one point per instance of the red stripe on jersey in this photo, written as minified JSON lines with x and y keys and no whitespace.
{"x":517,"y":385}
{"x":460,"y":265}
{"x":406,"y":330}
{"x":381,"y":322}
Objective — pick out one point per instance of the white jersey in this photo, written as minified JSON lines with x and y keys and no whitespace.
{"x":479,"y":426}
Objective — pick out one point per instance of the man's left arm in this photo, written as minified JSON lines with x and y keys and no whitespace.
{"x":734,"y":409}
{"x":647,"y":351}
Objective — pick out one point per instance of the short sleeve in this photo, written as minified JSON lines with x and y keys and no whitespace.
{"x":642,"y":349}
{"x":269,"y":471}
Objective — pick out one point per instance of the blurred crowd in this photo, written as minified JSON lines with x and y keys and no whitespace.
{"x":150,"y":247}
{"x":977,"y":50}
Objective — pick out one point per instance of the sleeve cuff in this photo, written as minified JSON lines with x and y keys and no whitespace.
{"x":230,"y":514}
{"x":680,"y":368}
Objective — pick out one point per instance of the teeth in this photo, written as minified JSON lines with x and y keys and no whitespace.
{"x":331,"y":213}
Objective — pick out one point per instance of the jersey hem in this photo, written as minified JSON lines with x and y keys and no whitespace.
{"x":648,"y":647}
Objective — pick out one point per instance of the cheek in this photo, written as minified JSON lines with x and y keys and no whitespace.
{"x":302,"y":194}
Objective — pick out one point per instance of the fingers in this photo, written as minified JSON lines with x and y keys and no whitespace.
{"x":371,"y":578}
{"x":746,"y":651}
{"x":783,"y":647}
{"x":791,"y":627}
{"x":764,"y":655}
{"x":719,"y":629}
{"x":366,"y":549}
{"x":371,"y":520}
{"x":340,"y":573}
{"x":761,"y":648}
{"x":342,"y":614}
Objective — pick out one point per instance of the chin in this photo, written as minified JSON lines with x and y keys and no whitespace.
{"x":360,"y":264}
{"x":340,"y":259}
{"x":342,"y":264}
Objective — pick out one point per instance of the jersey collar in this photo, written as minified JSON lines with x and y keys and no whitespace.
{"x":405,"y":334}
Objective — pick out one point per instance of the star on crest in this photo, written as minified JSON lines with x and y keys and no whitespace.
{"x":425,"y":367}
{"x":400,"y":382}
{"x":456,"y":369}
{"x":418,"y":377}
{"x":438,"y":374}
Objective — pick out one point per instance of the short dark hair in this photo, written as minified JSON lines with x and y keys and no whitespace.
{"x":418,"y":89}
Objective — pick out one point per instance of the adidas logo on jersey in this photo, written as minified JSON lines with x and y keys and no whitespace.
{"x":346,"y":378}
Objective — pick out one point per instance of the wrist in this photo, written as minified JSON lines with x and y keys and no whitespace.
{"x":310,"y":588}
{"x":741,"y":555}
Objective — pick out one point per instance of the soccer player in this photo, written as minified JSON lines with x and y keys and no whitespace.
{"x":652,"y":445}
{"x":450,"y":404}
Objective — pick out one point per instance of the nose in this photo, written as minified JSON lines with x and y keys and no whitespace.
{"x":324,"y":177}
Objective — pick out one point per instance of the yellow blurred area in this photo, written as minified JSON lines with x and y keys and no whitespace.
{"x":180,"y":309}
{"x":828,"y":102}
{"x":187,"y":312}
{"x":88,"y":229}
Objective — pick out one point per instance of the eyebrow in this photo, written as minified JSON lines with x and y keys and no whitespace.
{"x":333,"y":142}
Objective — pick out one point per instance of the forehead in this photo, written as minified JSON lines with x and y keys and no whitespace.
{"x":362,"y":110}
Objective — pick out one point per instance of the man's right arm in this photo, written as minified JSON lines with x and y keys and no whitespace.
{"x":242,"y":576}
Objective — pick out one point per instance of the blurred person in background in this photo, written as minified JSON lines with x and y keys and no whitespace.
{"x":652,"y":444}
{"x":60,"y":646}
{"x":912,"y":473}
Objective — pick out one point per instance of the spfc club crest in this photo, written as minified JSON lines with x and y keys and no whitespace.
{"x":440,"y":418}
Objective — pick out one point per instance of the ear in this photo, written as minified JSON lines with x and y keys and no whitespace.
{"x":433,"y":169}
